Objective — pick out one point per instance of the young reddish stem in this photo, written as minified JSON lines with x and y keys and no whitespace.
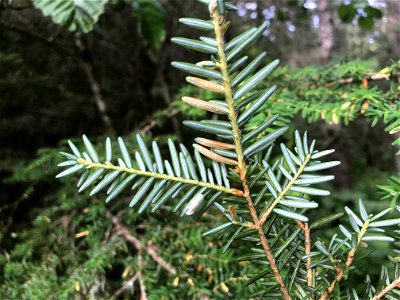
{"x":242,"y":167}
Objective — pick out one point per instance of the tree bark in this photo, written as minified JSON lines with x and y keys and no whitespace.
{"x":325,"y":31}
{"x":392,"y":27}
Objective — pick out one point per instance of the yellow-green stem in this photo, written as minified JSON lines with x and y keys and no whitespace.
{"x":109,"y":166}
{"x":223,"y":64}
{"x":363,"y":231}
{"x":265,"y":216}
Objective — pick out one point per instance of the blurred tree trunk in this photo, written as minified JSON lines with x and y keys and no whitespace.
{"x":327,"y":45}
{"x":325,"y":31}
{"x":393,"y":28}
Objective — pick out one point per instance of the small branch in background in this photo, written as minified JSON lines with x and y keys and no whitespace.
{"x":94,"y":86}
{"x":48,"y":42}
{"x":372,"y":77}
{"x":153,"y":123}
{"x":86,"y":66}
{"x":167,"y":99}
{"x":11,"y":207}
{"x":127,"y":285}
{"x":394,"y":285}
{"x":151,"y":250}
{"x":143,"y":294}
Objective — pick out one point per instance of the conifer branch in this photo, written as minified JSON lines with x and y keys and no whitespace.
{"x":197,"y":185}
{"x":242,"y":167}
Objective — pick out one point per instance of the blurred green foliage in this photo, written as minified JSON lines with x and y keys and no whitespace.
{"x":363,"y":13}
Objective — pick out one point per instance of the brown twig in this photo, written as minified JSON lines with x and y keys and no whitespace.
{"x":264,"y":241}
{"x":339,"y":275}
{"x":129,"y":284}
{"x":394,"y":285}
{"x":307,"y":237}
{"x":150,"y":250}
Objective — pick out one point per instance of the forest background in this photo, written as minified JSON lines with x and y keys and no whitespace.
{"x":112,"y":76}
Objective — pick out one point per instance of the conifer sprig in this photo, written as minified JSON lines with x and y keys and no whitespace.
{"x":268,"y":206}
{"x":155,"y":180}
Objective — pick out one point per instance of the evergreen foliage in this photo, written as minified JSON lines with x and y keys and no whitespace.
{"x":74,"y":248}
{"x":337,"y":94}
{"x":265,"y":202}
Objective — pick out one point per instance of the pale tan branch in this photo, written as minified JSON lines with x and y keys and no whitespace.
{"x":307,"y":252}
{"x":143,"y":294}
{"x":394,"y":285}
{"x":150,"y":250}
{"x":127,"y":285}
{"x":110,"y":166}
